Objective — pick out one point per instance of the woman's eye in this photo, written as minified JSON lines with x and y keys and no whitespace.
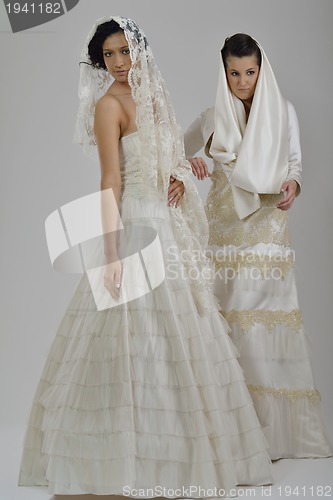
{"x":126,"y":51}
{"x":234,"y":73}
{"x":107,"y":54}
{"x":250,"y":72}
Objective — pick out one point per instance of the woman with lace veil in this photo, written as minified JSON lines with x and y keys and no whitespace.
{"x":252,"y":136}
{"x":142,"y":392}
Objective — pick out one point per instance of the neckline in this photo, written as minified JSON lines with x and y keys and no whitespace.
{"x":129,"y":135}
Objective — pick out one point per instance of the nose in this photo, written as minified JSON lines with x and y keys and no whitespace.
{"x":119,"y":61}
{"x":242,"y":80}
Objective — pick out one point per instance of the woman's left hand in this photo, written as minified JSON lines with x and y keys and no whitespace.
{"x":175,"y":192}
{"x":290,"y":188}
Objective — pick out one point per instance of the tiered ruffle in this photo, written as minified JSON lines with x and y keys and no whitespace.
{"x":256,"y":288}
{"x":145,"y":394}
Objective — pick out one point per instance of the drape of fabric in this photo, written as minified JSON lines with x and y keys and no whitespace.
{"x":254,"y":162}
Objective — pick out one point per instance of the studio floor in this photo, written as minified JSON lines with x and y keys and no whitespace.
{"x":294,"y":479}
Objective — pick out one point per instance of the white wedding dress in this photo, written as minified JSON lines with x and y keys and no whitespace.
{"x":255,"y":284}
{"x":145,"y":394}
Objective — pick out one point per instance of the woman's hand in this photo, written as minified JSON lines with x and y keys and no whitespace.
{"x":112,"y":278}
{"x":199,"y":168}
{"x":290,"y":188}
{"x":175,"y":192}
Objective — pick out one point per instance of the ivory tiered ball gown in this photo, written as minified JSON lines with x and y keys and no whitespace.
{"x":145,"y":394}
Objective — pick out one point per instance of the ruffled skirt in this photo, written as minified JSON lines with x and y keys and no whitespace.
{"x":256,"y":288}
{"x":146,"y":394}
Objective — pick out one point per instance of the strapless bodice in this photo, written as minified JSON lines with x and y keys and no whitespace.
{"x":130,"y":150}
{"x":129,"y":142}
{"x":133,"y":180}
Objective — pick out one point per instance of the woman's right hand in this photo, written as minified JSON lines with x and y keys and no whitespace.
{"x":112,"y":278}
{"x":199,"y":168}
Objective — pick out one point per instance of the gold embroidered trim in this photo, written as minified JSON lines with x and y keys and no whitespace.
{"x":267,"y":225}
{"x":235,"y":234}
{"x":293,"y":394}
{"x":245,"y":319}
{"x":265,"y":265}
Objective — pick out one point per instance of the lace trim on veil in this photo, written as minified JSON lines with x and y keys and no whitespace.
{"x":161,"y":140}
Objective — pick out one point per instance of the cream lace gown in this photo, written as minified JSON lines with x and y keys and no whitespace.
{"x":255,"y":286}
{"x":145,"y":394}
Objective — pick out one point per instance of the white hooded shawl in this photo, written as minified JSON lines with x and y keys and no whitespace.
{"x":254,"y":155}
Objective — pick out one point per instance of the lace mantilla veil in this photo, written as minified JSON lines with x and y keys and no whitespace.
{"x":236,"y":143}
{"x":162,"y":142}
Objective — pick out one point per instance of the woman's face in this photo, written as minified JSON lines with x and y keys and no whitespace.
{"x":242,"y":75}
{"x":116,"y":56}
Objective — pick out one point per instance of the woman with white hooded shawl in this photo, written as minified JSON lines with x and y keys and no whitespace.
{"x":252,"y":135}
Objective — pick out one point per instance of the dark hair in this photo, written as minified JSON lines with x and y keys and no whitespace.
{"x":95,"y":50}
{"x":240,"y":45}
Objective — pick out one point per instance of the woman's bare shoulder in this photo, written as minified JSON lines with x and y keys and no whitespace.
{"x":108,"y":103}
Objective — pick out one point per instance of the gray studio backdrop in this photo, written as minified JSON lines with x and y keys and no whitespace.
{"x":41,"y":169}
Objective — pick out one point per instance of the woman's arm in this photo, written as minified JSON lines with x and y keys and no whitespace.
{"x":292,"y":184}
{"x":193,"y":142}
{"x":295,"y":154}
{"x":193,"y":137}
{"x":107,"y":132}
